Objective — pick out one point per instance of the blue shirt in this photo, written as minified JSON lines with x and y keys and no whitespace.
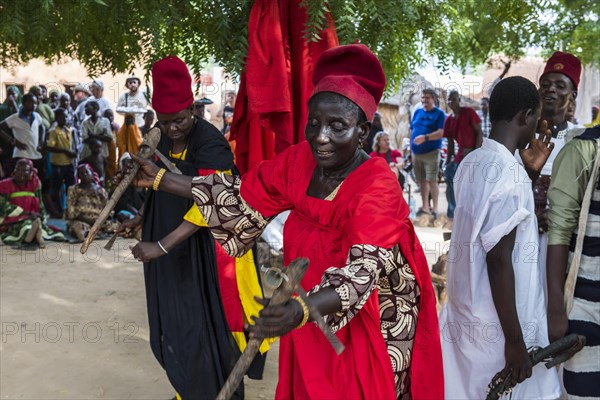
{"x":424,"y":122}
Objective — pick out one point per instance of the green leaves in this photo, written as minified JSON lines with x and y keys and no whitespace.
{"x":115,"y":35}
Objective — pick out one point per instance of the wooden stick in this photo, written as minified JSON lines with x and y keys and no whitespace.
{"x":295,"y":272}
{"x":146,"y":150}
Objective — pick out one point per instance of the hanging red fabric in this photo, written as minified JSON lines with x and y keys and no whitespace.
{"x":271,"y":105}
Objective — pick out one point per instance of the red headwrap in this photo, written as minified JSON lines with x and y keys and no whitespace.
{"x":172,"y":86}
{"x":354,"y":72}
{"x":566,"y":64}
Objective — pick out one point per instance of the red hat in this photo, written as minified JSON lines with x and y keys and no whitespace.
{"x":566,"y":64}
{"x":354,"y":72}
{"x":172,"y":86}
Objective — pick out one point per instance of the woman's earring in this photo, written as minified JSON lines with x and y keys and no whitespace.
{"x":360,"y":144}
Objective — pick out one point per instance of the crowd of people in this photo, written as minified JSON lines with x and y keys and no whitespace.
{"x":523,"y":192}
{"x":59,"y":133}
{"x":368,"y":275}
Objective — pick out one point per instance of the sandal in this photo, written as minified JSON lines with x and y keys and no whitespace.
{"x":422,"y":212}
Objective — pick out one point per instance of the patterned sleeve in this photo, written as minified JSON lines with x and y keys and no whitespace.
{"x":355,"y":282}
{"x":7,"y":209}
{"x":233,"y":223}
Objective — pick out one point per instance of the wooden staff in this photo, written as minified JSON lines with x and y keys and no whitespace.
{"x":146,"y":150}
{"x":294,"y":272}
{"x":172,"y":168}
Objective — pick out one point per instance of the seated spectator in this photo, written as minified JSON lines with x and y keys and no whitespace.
{"x":60,"y":144}
{"x":381,"y":146}
{"x":22,"y":213}
{"x":129,"y":137}
{"x":148,"y":121}
{"x":96,"y":160}
{"x":133,"y":198}
{"x":85,"y":201}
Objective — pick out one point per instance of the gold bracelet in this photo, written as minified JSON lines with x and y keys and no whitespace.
{"x":305,"y":311}
{"x":158,"y":178}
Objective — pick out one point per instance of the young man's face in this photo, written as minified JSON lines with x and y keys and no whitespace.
{"x":30,"y":105}
{"x":556,"y":91}
{"x":454,"y":103}
{"x":108,"y":114}
{"x":148,"y":119}
{"x":530,"y":127}
{"x":89,"y":109}
{"x":61,"y":119}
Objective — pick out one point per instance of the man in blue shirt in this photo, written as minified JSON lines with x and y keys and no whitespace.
{"x":427,"y":128}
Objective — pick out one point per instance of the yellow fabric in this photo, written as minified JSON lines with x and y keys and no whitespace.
{"x":195,"y":217}
{"x":129,"y":139}
{"x":179,"y":156}
{"x":248,"y":287}
{"x":178,"y":396}
{"x":245,"y":273}
{"x":60,"y":139}
{"x":594,"y":122}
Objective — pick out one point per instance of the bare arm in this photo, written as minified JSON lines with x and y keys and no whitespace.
{"x":502,"y":283}
{"x":4,"y":128}
{"x":181,"y":185}
{"x":556,"y":270}
{"x":435,"y":135}
{"x":478,"y":135}
{"x":148,"y":251}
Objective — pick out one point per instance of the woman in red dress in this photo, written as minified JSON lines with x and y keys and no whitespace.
{"x":368,"y":274}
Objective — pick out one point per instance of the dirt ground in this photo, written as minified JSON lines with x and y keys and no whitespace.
{"x":75,"y":327}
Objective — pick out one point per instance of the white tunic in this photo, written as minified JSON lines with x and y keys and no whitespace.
{"x":494,"y":196}
{"x":27,"y":134}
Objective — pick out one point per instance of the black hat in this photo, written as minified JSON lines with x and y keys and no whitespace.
{"x":203,"y":101}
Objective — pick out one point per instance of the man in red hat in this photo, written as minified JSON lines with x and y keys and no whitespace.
{"x":558,"y":88}
{"x":187,"y":311}
{"x":368,"y":274}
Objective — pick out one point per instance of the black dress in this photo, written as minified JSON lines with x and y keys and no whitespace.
{"x":189,"y":334}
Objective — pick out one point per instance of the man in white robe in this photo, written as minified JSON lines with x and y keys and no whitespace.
{"x":495,"y":309}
